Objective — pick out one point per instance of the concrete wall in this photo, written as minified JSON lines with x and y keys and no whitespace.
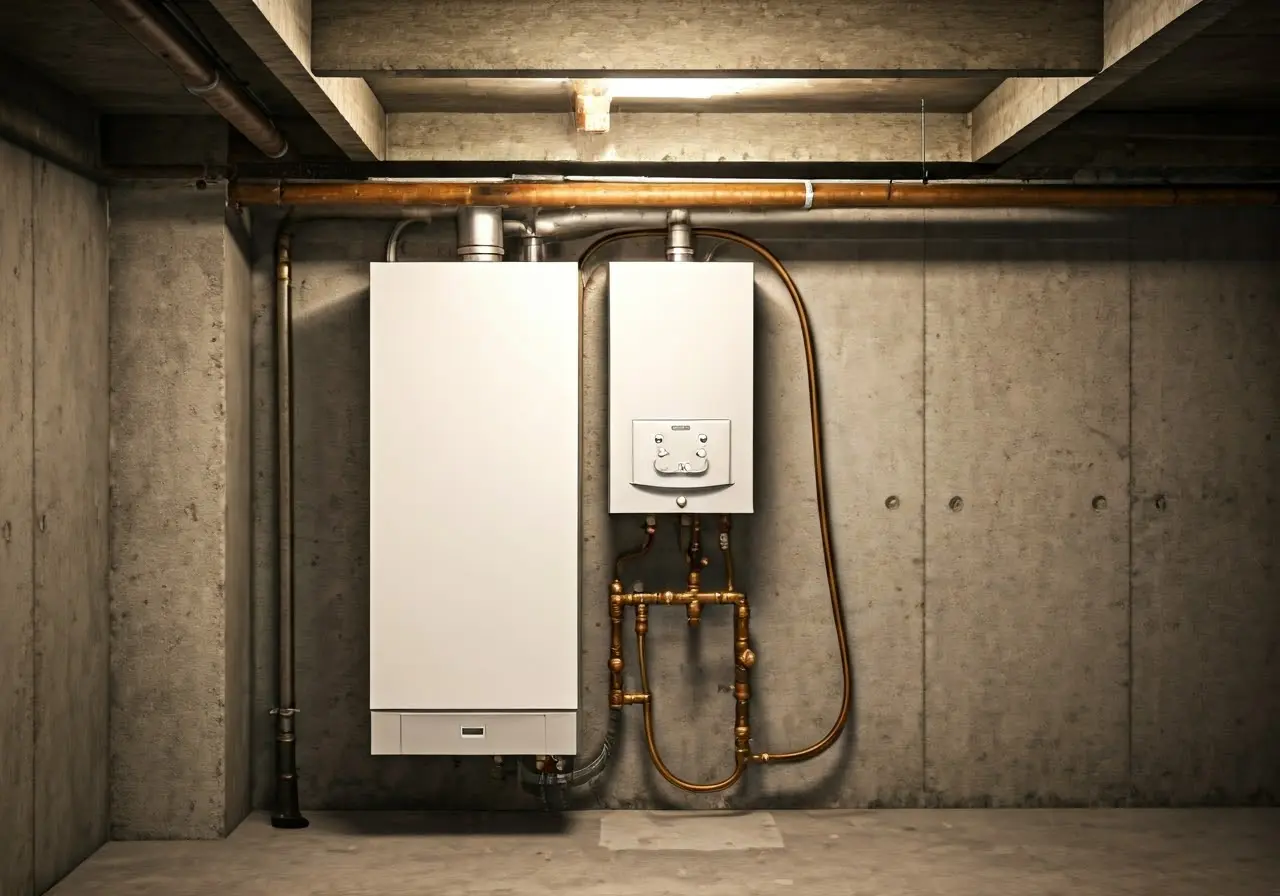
{"x":180,"y":521}
{"x":1022,"y":649}
{"x":53,"y":521}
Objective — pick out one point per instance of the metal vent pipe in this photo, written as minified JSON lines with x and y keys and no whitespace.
{"x":679,"y":236}
{"x":199,"y":74}
{"x":480,"y":235}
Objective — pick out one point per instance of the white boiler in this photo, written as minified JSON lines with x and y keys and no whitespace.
{"x":474,"y":508}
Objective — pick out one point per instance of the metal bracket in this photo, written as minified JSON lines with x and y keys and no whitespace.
{"x":924,"y":168}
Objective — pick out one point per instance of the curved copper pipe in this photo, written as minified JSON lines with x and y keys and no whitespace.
{"x":820,"y":485}
{"x":741,"y":194}
{"x":650,"y":527}
{"x":739,"y":761}
{"x":820,"y":489}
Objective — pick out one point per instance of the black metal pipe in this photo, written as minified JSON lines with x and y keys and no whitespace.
{"x":197,"y":71}
{"x":287,"y":813}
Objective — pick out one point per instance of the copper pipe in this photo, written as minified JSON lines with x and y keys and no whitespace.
{"x":616,"y":697}
{"x":726,"y":524}
{"x":740,"y":758}
{"x":744,"y":658}
{"x":679,"y":597}
{"x":199,"y":74}
{"x":820,"y":489}
{"x":650,"y":527}
{"x":615,"y":648}
{"x":739,"y":194}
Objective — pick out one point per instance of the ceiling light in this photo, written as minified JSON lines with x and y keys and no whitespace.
{"x":675,"y":88}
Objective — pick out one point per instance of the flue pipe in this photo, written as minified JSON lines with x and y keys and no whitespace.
{"x":480,"y":234}
{"x":742,"y":194}
{"x":679,"y":236}
{"x":199,"y":74}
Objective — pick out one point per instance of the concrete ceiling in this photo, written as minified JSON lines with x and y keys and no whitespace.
{"x":403,"y":83}
{"x":75,"y":45}
{"x":1231,"y":66}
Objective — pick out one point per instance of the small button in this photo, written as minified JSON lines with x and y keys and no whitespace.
{"x":702,"y":437}
{"x":681,"y":501}
{"x":701,"y":452}
{"x":658,"y":438}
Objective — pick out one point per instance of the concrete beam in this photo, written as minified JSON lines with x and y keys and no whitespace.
{"x":279,"y":32}
{"x":1136,"y":34}
{"x":677,"y":137}
{"x":869,"y":38}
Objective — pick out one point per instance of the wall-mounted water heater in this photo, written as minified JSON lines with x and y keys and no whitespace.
{"x":474,"y":508}
{"x":681,"y":387}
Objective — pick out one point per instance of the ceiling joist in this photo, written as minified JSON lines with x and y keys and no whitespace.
{"x":870,"y":38}
{"x":678,"y":137}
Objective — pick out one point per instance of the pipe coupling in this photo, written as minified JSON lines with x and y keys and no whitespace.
{"x":480,"y":235}
{"x":679,"y":236}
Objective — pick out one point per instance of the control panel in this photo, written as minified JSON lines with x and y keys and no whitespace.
{"x":681,"y":454}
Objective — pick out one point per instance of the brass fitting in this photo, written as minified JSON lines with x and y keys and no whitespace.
{"x":747,"y":658}
{"x":629,"y":699}
{"x":695,"y":613}
{"x":642,"y":619}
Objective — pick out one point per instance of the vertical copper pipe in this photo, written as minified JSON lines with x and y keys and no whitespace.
{"x":726,"y":524}
{"x":743,"y":656}
{"x":651,"y":742}
{"x":615,"y":645}
{"x":615,"y":610}
{"x":744,"y":659}
{"x":650,"y":528}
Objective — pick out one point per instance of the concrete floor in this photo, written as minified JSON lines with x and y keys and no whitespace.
{"x":620,"y":853}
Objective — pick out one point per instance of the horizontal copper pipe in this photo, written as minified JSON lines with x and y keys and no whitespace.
{"x":680,"y":597}
{"x":744,"y":194}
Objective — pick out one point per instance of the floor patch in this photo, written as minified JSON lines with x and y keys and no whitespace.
{"x":697,"y":831}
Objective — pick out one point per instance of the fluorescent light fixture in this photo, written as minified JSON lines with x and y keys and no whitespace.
{"x":592,"y":98}
{"x":671,"y":88}
{"x":686,"y":88}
